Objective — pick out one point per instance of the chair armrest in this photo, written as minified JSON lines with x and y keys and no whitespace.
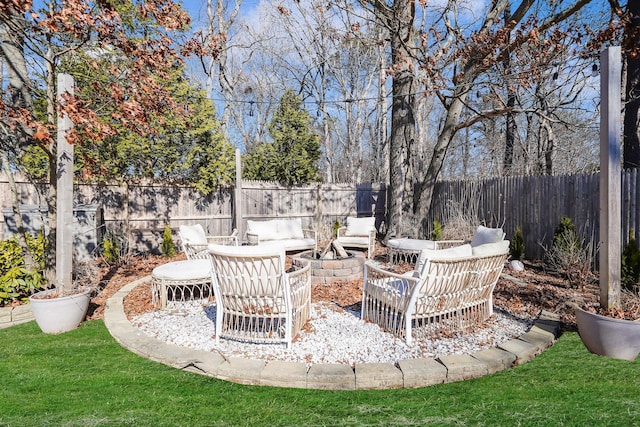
{"x":253,"y":239}
{"x":371,"y":269}
{"x":196,"y":251}
{"x":310,"y":234}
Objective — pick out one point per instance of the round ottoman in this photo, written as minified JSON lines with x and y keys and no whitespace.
{"x":181,"y":281}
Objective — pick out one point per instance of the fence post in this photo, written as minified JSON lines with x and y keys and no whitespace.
{"x":237,"y":195}
{"x":610,"y":177}
{"x":64,"y":196}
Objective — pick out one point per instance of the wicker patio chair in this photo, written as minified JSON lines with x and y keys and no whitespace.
{"x":256,"y":300}
{"x":359,"y":233}
{"x":452,"y":286}
{"x":195,"y":242}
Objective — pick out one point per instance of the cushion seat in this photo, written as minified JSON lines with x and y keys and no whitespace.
{"x":408,"y":244}
{"x":183,"y":270}
{"x":353,"y":240}
{"x":181,"y":280}
{"x":359,"y":233}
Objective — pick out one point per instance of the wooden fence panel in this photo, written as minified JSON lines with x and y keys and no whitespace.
{"x":534,"y":203}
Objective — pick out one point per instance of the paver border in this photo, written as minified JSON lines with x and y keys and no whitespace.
{"x":11,"y":316}
{"x":410,"y":373}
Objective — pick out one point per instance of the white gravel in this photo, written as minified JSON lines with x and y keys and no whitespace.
{"x":336,"y":336}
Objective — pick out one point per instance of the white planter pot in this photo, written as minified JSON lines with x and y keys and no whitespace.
{"x":59,"y":314}
{"x":606,"y":336}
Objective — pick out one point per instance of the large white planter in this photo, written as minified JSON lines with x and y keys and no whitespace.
{"x":59,"y":314}
{"x":606,"y":336}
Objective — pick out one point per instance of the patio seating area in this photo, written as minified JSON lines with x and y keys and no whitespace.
{"x":258,"y":301}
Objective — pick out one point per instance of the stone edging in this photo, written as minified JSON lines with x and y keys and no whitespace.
{"x":10,"y":316}
{"x":408,"y":373}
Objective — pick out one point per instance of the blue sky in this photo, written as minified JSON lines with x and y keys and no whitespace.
{"x":198,"y":8}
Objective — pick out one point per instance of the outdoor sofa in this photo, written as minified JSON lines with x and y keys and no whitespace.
{"x":286,"y":232}
{"x":452,"y":287}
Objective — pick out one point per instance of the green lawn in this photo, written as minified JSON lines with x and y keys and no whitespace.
{"x":84,"y":378}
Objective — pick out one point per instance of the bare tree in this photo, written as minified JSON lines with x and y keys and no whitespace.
{"x":454,"y":53}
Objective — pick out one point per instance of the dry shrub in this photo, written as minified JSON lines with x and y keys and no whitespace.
{"x":459,"y":228}
{"x":85,"y":272}
{"x":570,"y":256}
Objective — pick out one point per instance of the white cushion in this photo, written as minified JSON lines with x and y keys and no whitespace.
{"x":298,"y":244}
{"x":348,"y":240}
{"x":265,"y":230}
{"x":269,"y":249}
{"x":360,"y":226}
{"x":490,"y":249}
{"x":276,"y":229}
{"x":456,"y":252}
{"x":484,"y":235}
{"x":183,"y":270}
{"x":290,"y":228}
{"x":411,"y":244}
{"x":193,"y":234}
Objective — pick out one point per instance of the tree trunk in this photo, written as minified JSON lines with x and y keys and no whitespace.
{"x":403,"y":125}
{"x":510,"y":135}
{"x":631,"y":144}
{"x":425,"y":187}
{"x":12,"y":48}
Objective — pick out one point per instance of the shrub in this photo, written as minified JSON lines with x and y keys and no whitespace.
{"x":565,"y":236}
{"x":114,"y":248}
{"x":569,"y":256}
{"x":17,"y":281}
{"x":631,"y":264}
{"x":168,"y":247}
{"x":436,"y":234}
{"x":336,"y":226}
{"x":516,"y":246}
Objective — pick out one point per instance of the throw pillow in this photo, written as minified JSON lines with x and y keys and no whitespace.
{"x":360,"y":226}
{"x":290,"y":229}
{"x":193,"y":234}
{"x":484,"y":235}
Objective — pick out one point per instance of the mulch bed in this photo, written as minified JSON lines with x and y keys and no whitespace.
{"x":520,"y":293}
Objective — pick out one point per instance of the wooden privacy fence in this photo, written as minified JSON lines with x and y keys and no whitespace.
{"x":141,"y":211}
{"x":534,"y":203}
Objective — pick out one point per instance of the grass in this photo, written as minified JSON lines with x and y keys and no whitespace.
{"x":84,"y":378}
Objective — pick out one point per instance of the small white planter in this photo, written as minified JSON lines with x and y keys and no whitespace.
{"x":606,"y":336}
{"x":59,"y":314}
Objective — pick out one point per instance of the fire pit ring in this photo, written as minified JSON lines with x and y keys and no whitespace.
{"x":327,"y":271}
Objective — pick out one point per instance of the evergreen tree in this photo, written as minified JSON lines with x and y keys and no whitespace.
{"x":183,"y":142}
{"x":292,"y":157}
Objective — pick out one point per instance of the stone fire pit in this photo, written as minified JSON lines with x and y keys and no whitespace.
{"x":332,"y":269}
